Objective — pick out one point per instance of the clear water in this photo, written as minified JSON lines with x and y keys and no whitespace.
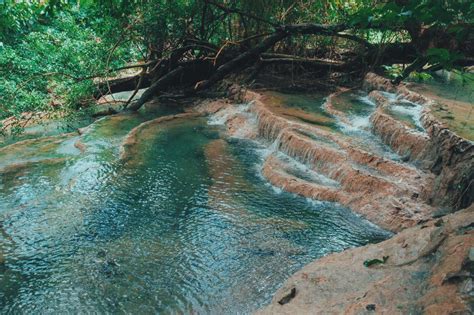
{"x":409,"y":113}
{"x":307,"y":108}
{"x":190,"y":226}
{"x":354,"y":103}
{"x":358,"y":108}
{"x":47,"y":128}
{"x":450,"y":85}
{"x":454,"y":100}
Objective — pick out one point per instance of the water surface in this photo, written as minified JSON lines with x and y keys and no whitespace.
{"x":189,"y":226}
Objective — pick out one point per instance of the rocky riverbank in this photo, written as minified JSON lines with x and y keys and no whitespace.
{"x":423,"y":269}
{"x":427,"y":266}
{"x":379,"y":151}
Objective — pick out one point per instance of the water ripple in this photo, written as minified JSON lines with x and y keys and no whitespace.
{"x":192,"y":228}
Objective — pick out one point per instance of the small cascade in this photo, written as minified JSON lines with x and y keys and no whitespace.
{"x":269,"y":125}
{"x":434,"y":148}
{"x":349,"y":165}
{"x":354,"y":110}
{"x":302,"y":171}
{"x":408,"y":112}
{"x":223,"y":116}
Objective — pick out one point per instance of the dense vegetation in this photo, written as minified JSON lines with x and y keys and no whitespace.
{"x":48,"y":52}
{"x":52,"y":52}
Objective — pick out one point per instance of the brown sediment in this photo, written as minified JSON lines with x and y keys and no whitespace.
{"x":379,"y":201}
{"x":273,"y":170}
{"x":31,"y":150}
{"x":276,"y":104}
{"x":80,"y":146}
{"x":113,"y":122}
{"x":331,"y":108}
{"x":397,"y":135}
{"x":238,"y":123}
{"x":224,"y":182}
{"x":55,"y":139}
{"x":427,"y":270}
{"x":211,"y":106}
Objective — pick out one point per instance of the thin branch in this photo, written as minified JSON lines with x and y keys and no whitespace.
{"x":240,"y":12}
{"x":356,"y":39}
{"x":156,"y":87}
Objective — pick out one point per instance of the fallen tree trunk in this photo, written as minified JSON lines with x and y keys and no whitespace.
{"x":156,"y":87}
{"x":308,"y":62}
{"x":241,"y":61}
{"x":121,"y":85}
{"x":215,"y":64}
{"x":244,"y":59}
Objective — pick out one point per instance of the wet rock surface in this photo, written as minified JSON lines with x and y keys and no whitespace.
{"x":394,"y":163}
{"x":428,"y":270}
{"x":439,"y":150}
{"x":389,"y":193}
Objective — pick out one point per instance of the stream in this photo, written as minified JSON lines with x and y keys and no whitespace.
{"x":187,"y":225}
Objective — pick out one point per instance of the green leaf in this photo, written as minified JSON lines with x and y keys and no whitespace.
{"x":441,"y":54}
{"x":371,"y":262}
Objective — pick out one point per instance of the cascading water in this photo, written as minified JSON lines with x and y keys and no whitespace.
{"x":184,"y":225}
{"x":358,"y":108}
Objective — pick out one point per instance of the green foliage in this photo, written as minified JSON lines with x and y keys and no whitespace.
{"x":47,"y":46}
{"x":430,"y":24}
{"x":371,"y":262}
{"x":420,"y":76}
{"x":393,"y":71}
{"x":17,"y":18}
{"x":389,"y":15}
{"x":443,"y":57}
{"x":42,"y":68}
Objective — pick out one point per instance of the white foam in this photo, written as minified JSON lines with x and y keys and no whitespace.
{"x":221,"y":117}
{"x":390,"y":96}
{"x":366,"y":99}
{"x":358,"y":122}
{"x":304,"y":169}
{"x":410,"y":109}
{"x":321,"y":203}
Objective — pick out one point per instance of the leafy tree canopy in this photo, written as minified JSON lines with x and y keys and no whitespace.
{"x":50,"y":51}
